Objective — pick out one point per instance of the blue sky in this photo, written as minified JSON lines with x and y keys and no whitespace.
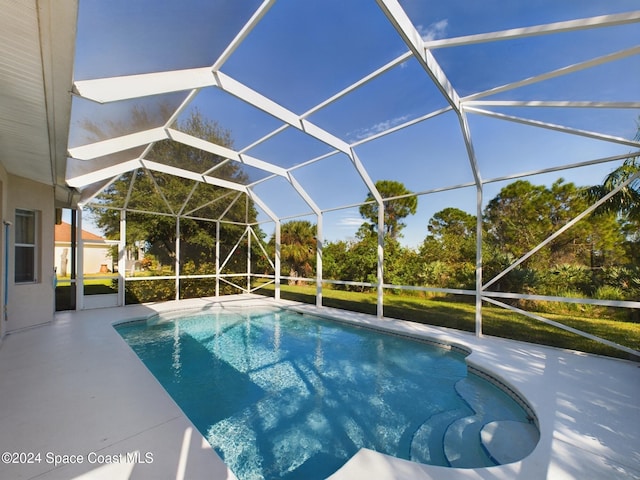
{"x":302,"y":53}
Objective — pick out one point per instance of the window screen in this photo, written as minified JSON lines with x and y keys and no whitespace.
{"x":25,"y":255}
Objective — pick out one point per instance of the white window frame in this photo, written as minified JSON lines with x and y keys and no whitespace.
{"x":22,"y":243}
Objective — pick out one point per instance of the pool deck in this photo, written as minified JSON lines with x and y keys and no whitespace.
{"x":75,"y":388}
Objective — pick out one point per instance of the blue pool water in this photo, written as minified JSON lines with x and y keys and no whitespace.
{"x":284,"y":395}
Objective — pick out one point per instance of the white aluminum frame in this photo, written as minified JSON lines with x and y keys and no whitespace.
{"x":105,"y":90}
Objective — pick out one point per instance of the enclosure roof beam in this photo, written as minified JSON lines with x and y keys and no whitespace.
{"x":210,"y":202}
{"x":263,"y":103}
{"x":82,"y":181}
{"x":357,"y":163}
{"x":556,"y":73}
{"x":229,"y":206}
{"x":567,"y":166}
{"x":551,"y":126}
{"x":243,"y":33}
{"x":158,"y":189}
{"x":551,"y":104}
{"x":363,"y":81}
{"x":88,"y":194}
{"x":466,"y":134}
{"x":263,"y":205}
{"x":557,"y":27}
{"x":266,"y":137}
{"x":225,"y":152}
{"x":113,"y":89}
{"x":403,"y":25}
{"x":109,"y":90}
{"x":303,"y":193}
{"x":393,"y":63}
{"x":402,"y":126}
{"x":114,"y":145}
{"x":118,"y":144}
{"x":179,"y":172}
{"x":128,"y":166}
{"x":201,"y":144}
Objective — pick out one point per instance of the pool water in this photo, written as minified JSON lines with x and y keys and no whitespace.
{"x":283,"y":395}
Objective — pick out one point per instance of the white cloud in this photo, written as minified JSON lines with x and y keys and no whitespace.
{"x":344,"y":228}
{"x":434,"y":31}
{"x":350,"y":222}
{"x":377,"y":128}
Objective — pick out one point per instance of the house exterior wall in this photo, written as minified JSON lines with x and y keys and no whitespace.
{"x":31,"y":304}
{"x":95,"y":256}
{"x":3,"y":213}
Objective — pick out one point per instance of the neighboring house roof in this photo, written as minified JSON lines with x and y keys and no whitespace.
{"x":63,"y":234}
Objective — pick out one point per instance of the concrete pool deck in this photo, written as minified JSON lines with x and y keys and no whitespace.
{"x":74,"y":391}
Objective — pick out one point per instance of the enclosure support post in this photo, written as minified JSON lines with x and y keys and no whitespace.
{"x":473,"y":162}
{"x":380,"y":272}
{"x":5,"y":278}
{"x":248,"y":289}
{"x":277,"y":269}
{"x":319,"y":261}
{"x":122,"y":259}
{"x":79,"y":262}
{"x":380,"y":254}
{"x":217,"y":259}
{"x":74,"y":258}
{"x":479,"y":260}
{"x":177,"y":263}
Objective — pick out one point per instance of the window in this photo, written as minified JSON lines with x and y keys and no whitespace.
{"x":25,"y":258}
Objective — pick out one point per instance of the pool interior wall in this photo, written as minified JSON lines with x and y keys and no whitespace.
{"x":74,"y":386}
{"x":280,"y":394}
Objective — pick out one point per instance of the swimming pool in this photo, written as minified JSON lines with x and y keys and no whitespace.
{"x":284,"y":395}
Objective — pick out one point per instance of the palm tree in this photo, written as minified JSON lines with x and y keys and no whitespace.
{"x":298,"y":240}
{"x":627,"y":201}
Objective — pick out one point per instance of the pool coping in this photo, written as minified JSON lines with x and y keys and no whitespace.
{"x":563,"y":451}
{"x":586,"y":406}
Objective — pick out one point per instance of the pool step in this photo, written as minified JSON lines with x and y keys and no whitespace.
{"x":508,"y":441}
{"x":427,"y":444}
{"x":463,"y":445}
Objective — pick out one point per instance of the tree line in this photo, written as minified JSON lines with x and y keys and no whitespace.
{"x":598,"y":257}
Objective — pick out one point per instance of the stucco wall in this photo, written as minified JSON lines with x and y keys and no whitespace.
{"x":31,"y":304}
{"x":95,"y":256}
{"x":3,"y":214}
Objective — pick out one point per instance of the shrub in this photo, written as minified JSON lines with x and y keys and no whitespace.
{"x":608,"y":292}
{"x":144,"y":291}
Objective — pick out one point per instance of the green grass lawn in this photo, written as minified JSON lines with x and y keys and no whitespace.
{"x":89,"y":280}
{"x":496,"y":321}
{"x":446,"y":312}
{"x":92,"y":286}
